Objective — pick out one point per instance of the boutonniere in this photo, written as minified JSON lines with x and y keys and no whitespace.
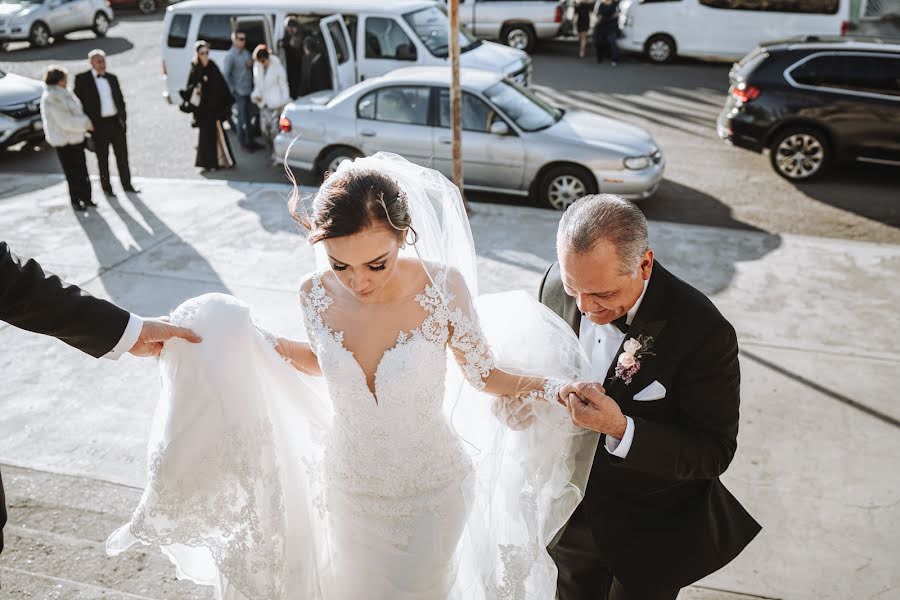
{"x":629,"y":362}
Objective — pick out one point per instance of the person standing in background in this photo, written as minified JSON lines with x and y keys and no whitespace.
{"x":583,"y":10}
{"x":606,"y":31}
{"x":292,"y":46}
{"x":314,"y":72}
{"x":238,"y":72}
{"x":65,"y":125}
{"x":270,"y":91}
{"x":213,"y":149}
{"x":103,"y":102}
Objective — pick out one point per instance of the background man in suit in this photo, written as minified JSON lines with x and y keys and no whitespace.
{"x":40,"y":302}
{"x":104,"y":104}
{"x":655,"y":517}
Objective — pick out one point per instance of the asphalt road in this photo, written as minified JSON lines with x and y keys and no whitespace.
{"x":707,"y":182}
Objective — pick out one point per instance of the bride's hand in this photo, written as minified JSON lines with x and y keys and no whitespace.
{"x":573,"y":388}
{"x":515,"y":413}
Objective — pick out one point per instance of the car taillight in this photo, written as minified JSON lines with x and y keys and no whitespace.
{"x":284,"y":124}
{"x":559,"y":15}
{"x":845,"y":26}
{"x":745,"y":93}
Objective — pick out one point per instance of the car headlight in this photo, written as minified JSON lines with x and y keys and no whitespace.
{"x":636,"y":163}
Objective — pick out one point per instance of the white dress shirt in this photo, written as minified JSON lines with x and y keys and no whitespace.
{"x":107,"y":104}
{"x":129,"y":337}
{"x":601,"y":342}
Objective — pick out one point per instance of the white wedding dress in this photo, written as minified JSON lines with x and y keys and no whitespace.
{"x":269,"y":484}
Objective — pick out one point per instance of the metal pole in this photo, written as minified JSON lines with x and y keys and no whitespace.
{"x":456,"y":99}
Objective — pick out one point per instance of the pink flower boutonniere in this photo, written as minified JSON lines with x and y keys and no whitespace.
{"x":629,"y":362}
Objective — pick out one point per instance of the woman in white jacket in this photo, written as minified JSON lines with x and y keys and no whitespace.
{"x":270,"y":91}
{"x":65,"y":126}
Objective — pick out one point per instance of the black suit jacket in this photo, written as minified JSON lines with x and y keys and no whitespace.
{"x":36,"y":301}
{"x":86,"y":90}
{"x":661,"y":516}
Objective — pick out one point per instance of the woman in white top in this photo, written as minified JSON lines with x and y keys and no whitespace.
{"x":270,"y":91}
{"x":65,"y":126}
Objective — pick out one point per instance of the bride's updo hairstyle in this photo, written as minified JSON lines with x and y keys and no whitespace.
{"x":351,"y":202}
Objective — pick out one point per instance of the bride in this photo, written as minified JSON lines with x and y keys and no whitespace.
{"x":356,"y":464}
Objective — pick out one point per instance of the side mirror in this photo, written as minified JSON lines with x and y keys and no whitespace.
{"x":499,"y":128}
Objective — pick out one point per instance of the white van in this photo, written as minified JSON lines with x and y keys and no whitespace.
{"x":723,"y":29}
{"x":363,"y":38}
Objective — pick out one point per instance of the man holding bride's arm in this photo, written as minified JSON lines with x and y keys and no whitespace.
{"x":655,"y":517}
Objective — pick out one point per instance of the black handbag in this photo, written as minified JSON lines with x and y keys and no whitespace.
{"x":89,"y":144}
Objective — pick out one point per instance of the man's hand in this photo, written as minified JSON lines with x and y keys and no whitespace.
{"x":592,"y":409}
{"x":515,"y":413}
{"x":156,"y":332}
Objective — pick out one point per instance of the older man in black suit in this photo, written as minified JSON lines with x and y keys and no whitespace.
{"x":41,"y":302}
{"x":104,"y":104}
{"x":655,"y":517}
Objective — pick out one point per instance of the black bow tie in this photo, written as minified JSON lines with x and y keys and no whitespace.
{"x":103,"y":75}
{"x":621,"y":323}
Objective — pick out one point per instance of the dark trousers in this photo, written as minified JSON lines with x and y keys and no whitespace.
{"x":74,"y":165}
{"x":585,"y":575}
{"x":110,"y":130}
{"x":604,"y":40}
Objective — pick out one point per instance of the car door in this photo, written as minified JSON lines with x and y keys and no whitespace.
{"x":395,"y":118}
{"x":338,"y":41}
{"x":82,"y":14}
{"x":385,"y":45}
{"x":490,"y":160}
{"x":61,"y":16}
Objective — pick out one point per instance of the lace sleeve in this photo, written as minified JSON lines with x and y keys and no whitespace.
{"x":467,"y":341}
{"x":311,"y":301}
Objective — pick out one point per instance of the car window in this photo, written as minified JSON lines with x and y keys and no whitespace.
{"x":386,"y":39}
{"x":822,"y":7}
{"x":407,"y":105}
{"x":433,"y":28}
{"x":853,"y":72}
{"x":178,"y":31}
{"x":477,"y":115}
{"x":215,"y":30}
{"x":340,"y":43}
{"x":527,"y":110}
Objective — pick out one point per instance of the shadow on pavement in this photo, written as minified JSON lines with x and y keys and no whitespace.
{"x":272,"y":209}
{"x":870,"y":191}
{"x":66,"y":49}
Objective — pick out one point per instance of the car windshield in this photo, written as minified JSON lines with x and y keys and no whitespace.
{"x":432,"y":27}
{"x":527,"y":110}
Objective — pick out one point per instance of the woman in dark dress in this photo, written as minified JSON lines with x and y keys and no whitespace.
{"x":213,"y":149}
{"x":606,"y":31}
{"x":583,"y":10}
{"x":292,"y":46}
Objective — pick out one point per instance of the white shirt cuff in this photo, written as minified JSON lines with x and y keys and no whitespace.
{"x":618,"y":447}
{"x":129,"y":337}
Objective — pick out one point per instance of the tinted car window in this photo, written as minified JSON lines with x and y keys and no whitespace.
{"x":178,"y":31}
{"x":386,"y":39}
{"x":476,"y":114}
{"x":824,"y":7}
{"x":340,"y":43}
{"x":407,"y":105}
{"x":216,"y":31}
{"x":872,"y":74}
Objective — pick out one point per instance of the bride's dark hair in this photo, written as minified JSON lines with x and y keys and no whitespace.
{"x":352,"y":201}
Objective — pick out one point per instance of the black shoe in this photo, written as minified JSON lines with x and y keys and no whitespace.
{"x":108,"y":191}
{"x":78,"y":206}
{"x":254,"y":146}
{"x":89,"y":202}
{"x":131,"y":189}
{"x":248,"y":148}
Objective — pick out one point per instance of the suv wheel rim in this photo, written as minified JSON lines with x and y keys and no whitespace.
{"x":517,"y":38}
{"x":799,"y":156}
{"x":147,"y":6}
{"x":41,"y":36}
{"x":101,"y":24}
{"x":336,"y":162}
{"x":564,"y":190}
{"x":659,"y":50}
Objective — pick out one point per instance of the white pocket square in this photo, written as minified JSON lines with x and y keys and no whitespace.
{"x":654,"y":391}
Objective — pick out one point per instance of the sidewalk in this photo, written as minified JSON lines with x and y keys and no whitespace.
{"x":816,"y":319}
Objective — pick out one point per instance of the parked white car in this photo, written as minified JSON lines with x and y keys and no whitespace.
{"x":20,"y":110}
{"x":362,"y":38}
{"x":37,"y":21}
{"x":516,"y":23}
{"x":723,"y":29}
{"x":513,"y":142}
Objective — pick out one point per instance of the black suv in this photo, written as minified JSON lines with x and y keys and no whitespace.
{"x":812,"y":101}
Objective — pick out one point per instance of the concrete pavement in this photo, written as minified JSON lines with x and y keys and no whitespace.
{"x":816,"y":319}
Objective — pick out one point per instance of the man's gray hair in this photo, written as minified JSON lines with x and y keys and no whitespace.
{"x":96,"y":52}
{"x":605,"y":217}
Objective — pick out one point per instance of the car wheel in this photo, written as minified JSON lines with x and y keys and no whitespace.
{"x":799,"y":153}
{"x":561,"y":186}
{"x":147,"y":7}
{"x":520,"y":37}
{"x":4,"y":46}
{"x":333,"y":159}
{"x":660,"y":48}
{"x":101,"y":25}
{"x":39,"y":36}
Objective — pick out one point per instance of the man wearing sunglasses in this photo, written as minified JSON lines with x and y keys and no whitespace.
{"x":238,"y":72}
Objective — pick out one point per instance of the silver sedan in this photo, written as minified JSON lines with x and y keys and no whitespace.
{"x":513,"y":142}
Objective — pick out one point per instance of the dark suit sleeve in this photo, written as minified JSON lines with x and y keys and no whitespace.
{"x":544,"y":282}
{"x":40,"y":302}
{"x":119,"y":99}
{"x":79,"y":88}
{"x":703,"y":442}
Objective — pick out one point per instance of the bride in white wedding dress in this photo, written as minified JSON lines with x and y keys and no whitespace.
{"x":356,"y":464}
